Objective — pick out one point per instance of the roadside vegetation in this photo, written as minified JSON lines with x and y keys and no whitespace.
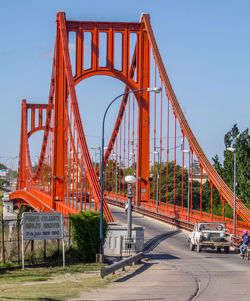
{"x":86,"y":234}
{"x":49,"y":280}
{"x":51,"y":283}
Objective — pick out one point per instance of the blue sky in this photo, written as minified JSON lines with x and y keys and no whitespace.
{"x":205,"y":46}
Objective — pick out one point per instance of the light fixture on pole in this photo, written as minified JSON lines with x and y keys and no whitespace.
{"x":155,"y":90}
{"x":233,"y":150}
{"x":95,"y":153}
{"x":131,"y":181}
{"x":68,"y":176}
{"x":115,"y":155}
{"x":132,"y":155}
{"x":189,"y":163}
{"x":158,"y":176}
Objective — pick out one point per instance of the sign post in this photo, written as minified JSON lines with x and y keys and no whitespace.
{"x":42,"y":226}
{"x":22,"y":250}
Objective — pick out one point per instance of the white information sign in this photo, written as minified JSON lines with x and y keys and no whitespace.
{"x":3,"y":172}
{"x":42,"y":225}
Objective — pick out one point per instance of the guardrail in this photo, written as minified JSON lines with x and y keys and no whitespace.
{"x":159,"y":216}
{"x":120,"y":264}
{"x":176,"y":217}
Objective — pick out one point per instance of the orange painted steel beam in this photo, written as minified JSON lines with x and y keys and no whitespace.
{"x":92,"y":178}
{"x":33,"y":108}
{"x":33,"y":199}
{"x":21,"y":181}
{"x":122,"y":74}
{"x":59,"y":159}
{"x":223,"y":189}
{"x":142,"y":183}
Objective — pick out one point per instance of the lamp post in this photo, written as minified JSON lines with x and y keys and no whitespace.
{"x":68,"y":177}
{"x":233,"y":150}
{"x":10,"y":170}
{"x":188,"y":152}
{"x":132,"y":155}
{"x":158,"y":176}
{"x":131,"y":181}
{"x":94,"y":148}
{"x":155,"y":90}
{"x":115,"y":156}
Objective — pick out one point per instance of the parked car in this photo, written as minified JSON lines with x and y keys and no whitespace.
{"x":210,"y":235}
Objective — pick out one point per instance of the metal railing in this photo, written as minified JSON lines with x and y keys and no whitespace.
{"x":120,"y":264}
{"x":10,"y":242}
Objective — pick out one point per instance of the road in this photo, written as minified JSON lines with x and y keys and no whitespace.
{"x":173,"y":272}
{"x":219,"y":276}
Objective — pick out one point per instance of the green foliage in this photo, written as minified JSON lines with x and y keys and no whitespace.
{"x":86,"y":233}
{"x":241,"y":142}
{"x":2,"y":179}
{"x":178,"y":185}
{"x":6,"y":265}
{"x":22,"y":210}
{"x":206,"y":199}
{"x":2,"y":166}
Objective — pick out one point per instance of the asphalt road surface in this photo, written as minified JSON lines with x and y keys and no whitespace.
{"x":218,"y":276}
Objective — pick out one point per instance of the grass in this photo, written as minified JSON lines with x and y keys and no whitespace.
{"x":37,"y":284}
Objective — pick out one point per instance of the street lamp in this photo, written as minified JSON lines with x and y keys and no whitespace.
{"x":158,"y":176}
{"x":188,"y":152}
{"x":132,"y":155}
{"x":115,"y":156}
{"x":233,"y":150}
{"x":95,"y":150}
{"x":10,"y":170}
{"x":68,"y":177}
{"x":155,"y":90}
{"x":131,"y":181}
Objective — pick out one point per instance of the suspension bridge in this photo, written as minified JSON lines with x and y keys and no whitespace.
{"x":151,"y":137}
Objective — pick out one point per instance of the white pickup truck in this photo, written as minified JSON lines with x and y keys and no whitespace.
{"x":210,"y":235}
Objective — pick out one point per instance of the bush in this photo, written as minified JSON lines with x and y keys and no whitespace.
{"x":6,"y":265}
{"x":86,"y":234}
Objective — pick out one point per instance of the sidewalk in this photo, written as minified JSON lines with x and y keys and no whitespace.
{"x":151,"y":280}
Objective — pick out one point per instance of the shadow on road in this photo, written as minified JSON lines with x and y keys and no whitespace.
{"x":152,"y":243}
{"x":148,"y":247}
{"x":161,"y":257}
{"x":144,"y":267}
{"x":30,"y":298}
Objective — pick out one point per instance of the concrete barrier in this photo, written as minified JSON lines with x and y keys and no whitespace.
{"x":117,"y":243}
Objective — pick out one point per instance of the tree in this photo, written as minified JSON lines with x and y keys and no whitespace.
{"x":2,"y":179}
{"x":241,"y":142}
{"x":178,"y":185}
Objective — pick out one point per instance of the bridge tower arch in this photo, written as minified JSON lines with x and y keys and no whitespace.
{"x":135,"y":75}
